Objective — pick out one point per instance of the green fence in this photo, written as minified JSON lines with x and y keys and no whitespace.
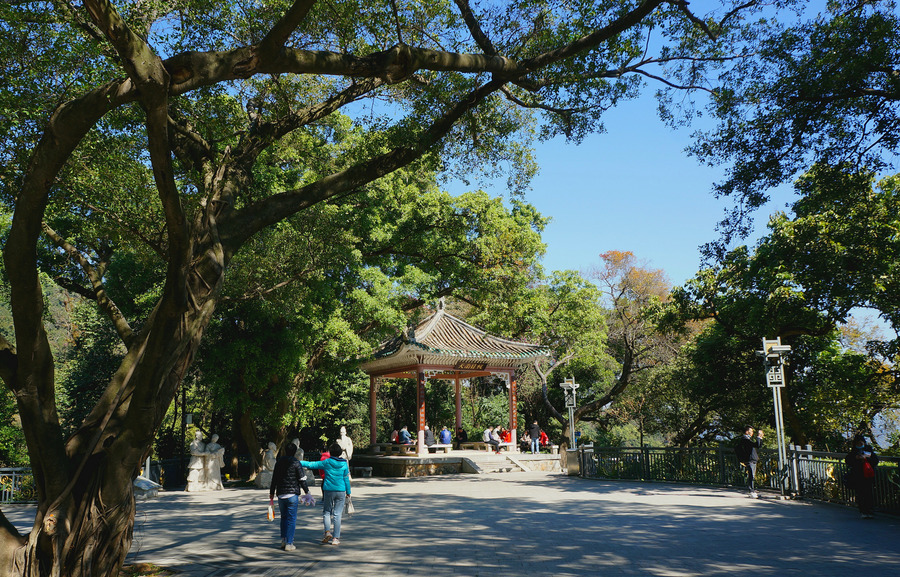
{"x":808,"y":474}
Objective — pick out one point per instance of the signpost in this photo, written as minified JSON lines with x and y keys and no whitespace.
{"x":569,"y":386}
{"x":773,"y":353}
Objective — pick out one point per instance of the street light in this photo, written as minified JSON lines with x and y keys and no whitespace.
{"x":773,"y":353}
{"x":569,"y":386}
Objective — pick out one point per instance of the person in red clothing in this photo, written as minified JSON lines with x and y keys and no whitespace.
{"x":506,"y":436}
{"x":545,"y":440}
{"x":325,"y":456}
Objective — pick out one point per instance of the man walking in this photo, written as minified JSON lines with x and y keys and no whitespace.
{"x":535,"y":433}
{"x":746,"y":451}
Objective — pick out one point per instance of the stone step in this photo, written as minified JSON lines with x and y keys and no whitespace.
{"x":510,"y":469}
{"x":495,"y":464}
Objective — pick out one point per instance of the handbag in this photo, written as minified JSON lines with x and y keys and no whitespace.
{"x":270,"y":514}
{"x":868,"y":470}
{"x":348,"y":506}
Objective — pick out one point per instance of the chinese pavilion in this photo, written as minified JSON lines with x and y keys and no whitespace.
{"x":445,"y":347}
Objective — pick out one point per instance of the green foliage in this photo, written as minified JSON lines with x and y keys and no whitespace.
{"x":822,"y":90}
{"x":838,"y":252}
{"x":13,"y":451}
{"x":86,"y":365}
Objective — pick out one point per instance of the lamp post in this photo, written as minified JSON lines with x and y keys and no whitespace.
{"x":569,"y":386}
{"x":773,"y":353}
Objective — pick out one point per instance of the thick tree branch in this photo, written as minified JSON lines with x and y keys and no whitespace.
{"x":475,"y":28}
{"x":593,"y":39}
{"x":8,"y":363}
{"x":277,"y":207}
{"x":543,"y":377}
{"x":34,"y":380}
{"x":148,"y":73}
{"x":682,"y":6}
{"x":265,"y":134}
{"x":99,"y":290}
{"x":279,"y":34}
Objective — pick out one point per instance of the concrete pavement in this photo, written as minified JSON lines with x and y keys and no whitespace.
{"x":516,"y":524}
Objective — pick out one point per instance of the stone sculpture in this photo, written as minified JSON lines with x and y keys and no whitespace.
{"x":346,"y":444}
{"x":215,"y":460}
{"x":205,"y":467}
{"x":196,"y":479}
{"x":264,"y":478}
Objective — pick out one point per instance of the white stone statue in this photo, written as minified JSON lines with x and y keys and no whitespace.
{"x":215,"y":460}
{"x":299,"y":453}
{"x":264,"y":478}
{"x":346,"y":444}
{"x":196,"y":479}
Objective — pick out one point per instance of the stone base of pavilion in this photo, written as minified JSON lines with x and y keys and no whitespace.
{"x":454,"y":463}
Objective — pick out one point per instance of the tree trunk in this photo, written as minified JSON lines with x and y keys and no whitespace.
{"x":798,"y":434}
{"x":247,"y":431}
{"x":85,"y":515}
{"x":87,"y":535}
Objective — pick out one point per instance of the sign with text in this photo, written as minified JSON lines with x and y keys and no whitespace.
{"x":775,"y":376}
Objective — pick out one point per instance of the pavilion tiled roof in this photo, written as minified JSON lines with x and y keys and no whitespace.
{"x":444,"y":338}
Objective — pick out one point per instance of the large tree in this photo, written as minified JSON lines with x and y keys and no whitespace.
{"x":835,"y":254}
{"x":176,"y":132}
{"x":824,"y":89}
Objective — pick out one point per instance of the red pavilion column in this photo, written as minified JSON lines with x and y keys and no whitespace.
{"x":458,"y":407}
{"x":373,"y":417}
{"x":513,"y":412}
{"x":420,"y":403}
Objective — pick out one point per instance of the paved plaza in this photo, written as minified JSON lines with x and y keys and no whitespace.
{"x":515,"y":524}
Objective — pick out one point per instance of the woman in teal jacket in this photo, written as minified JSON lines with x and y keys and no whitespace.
{"x":335,"y":490}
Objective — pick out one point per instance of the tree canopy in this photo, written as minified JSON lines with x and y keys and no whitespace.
{"x":822,"y":89}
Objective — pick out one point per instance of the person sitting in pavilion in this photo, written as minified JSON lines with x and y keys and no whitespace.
{"x":490,"y":437}
{"x":525,"y":442}
{"x":405,"y":438}
{"x":429,"y":437}
{"x":461,"y":437}
{"x":444,"y":436}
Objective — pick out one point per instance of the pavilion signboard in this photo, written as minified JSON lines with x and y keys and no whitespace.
{"x":470,"y":366}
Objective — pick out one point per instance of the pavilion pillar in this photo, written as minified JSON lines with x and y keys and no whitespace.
{"x":420,"y":404}
{"x":458,"y":407}
{"x":513,"y":412}
{"x":373,"y":408}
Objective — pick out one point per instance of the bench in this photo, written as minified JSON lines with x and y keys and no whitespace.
{"x":441,"y":447}
{"x":482,"y":446}
{"x":394,"y":449}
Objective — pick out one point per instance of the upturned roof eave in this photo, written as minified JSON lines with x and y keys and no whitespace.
{"x":416,"y":353}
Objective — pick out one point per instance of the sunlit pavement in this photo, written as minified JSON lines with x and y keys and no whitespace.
{"x":515,"y":524}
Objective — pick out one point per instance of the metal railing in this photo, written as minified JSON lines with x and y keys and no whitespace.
{"x":17,"y":485}
{"x":809,"y":474}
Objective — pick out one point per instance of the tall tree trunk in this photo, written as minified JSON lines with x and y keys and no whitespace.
{"x":247,"y":429}
{"x":85,"y":514}
{"x":795,"y":428}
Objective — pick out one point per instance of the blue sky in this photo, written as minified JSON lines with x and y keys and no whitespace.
{"x":634,"y":189}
